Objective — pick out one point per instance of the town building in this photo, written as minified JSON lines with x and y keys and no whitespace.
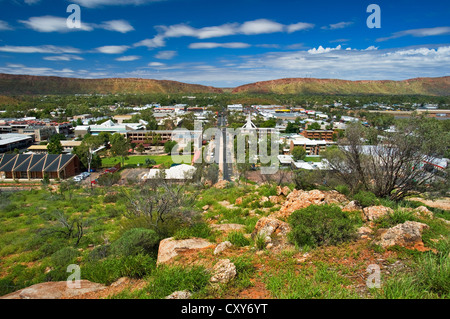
{"x":38,"y":166}
{"x":10,"y":142}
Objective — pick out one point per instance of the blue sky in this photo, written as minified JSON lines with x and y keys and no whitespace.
{"x":225,"y":43}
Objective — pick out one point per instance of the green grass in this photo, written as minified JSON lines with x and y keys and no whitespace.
{"x":313,"y":159}
{"x":165,"y":160}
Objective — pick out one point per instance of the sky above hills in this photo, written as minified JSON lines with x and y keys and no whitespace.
{"x":225,"y":43}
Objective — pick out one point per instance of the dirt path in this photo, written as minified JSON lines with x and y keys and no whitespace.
{"x":443,"y":203}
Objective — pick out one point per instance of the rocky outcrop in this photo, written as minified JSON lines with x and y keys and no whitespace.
{"x":169,"y":248}
{"x":283,"y":190}
{"x":221,"y":184}
{"x":407,"y":234}
{"x":375,"y":212}
{"x":54,"y":290}
{"x":223,"y":272}
{"x":299,"y":199}
{"x":276,"y":199}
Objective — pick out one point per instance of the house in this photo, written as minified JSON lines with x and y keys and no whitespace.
{"x":37,"y":166}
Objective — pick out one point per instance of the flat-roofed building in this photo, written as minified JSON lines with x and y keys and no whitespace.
{"x":10,"y":142}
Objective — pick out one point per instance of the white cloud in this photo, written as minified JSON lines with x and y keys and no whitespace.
{"x":214,"y":45}
{"x":424,"y":32}
{"x":157,"y":42}
{"x":4,"y":26}
{"x":299,"y":26}
{"x":39,"y":49}
{"x":166,"y":55}
{"x":53,"y":24}
{"x":156,"y":64}
{"x":65,"y":57}
{"x":31,"y":2}
{"x":99,"y":3}
{"x":58,"y":24}
{"x":321,"y":49}
{"x":261,"y":26}
{"x":121,"y":26}
{"x":113,"y":49}
{"x":128,"y":58}
{"x":340,"y":25}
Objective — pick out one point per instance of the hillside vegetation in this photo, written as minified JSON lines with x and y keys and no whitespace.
{"x":26,"y":84}
{"x":419,"y":86}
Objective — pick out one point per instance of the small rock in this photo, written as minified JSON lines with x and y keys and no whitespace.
{"x":222,"y":246}
{"x":375,"y":212}
{"x":180,"y":295}
{"x":407,"y":234}
{"x":423,"y":212}
{"x":352,"y":207}
{"x":238,"y":201}
{"x":223,"y":271}
{"x":206,"y":207}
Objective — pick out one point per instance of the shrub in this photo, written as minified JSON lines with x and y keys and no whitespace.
{"x":64,"y":257}
{"x":260,"y":242}
{"x":366,"y":199}
{"x":238,"y":239}
{"x":200,"y":230}
{"x":321,"y":225}
{"x":398,"y":217}
{"x":109,"y":270}
{"x":135,"y":241}
{"x":99,"y":253}
{"x":343,"y":189}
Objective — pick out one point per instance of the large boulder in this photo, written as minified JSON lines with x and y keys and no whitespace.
{"x":407,"y":234}
{"x":54,"y":290}
{"x":169,"y":248}
{"x":375,"y":212}
{"x":223,"y":272}
{"x":267,"y":226}
{"x":299,"y":199}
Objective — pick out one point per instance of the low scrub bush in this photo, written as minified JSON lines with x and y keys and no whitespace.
{"x":238,"y":239}
{"x":136,"y":241}
{"x":64,"y":257}
{"x":200,"y":230}
{"x":366,"y":199}
{"x":321,"y":225}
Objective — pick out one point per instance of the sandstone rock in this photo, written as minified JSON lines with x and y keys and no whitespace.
{"x":227,"y":227}
{"x":407,"y":234}
{"x":263,"y":200}
{"x":170,"y":248}
{"x":299,"y":199}
{"x":54,"y":290}
{"x":283,"y":190}
{"x":120,"y":282}
{"x":423,"y":212}
{"x":364,"y":232}
{"x":206,"y":207}
{"x":223,"y":272}
{"x":352,"y":207}
{"x":222,"y":246}
{"x":180,"y":295}
{"x":267,"y":226}
{"x":238,"y":201}
{"x":276,"y":199}
{"x":375,"y":212}
{"x":221,"y":184}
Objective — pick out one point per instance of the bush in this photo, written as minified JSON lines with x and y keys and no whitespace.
{"x":111,"y":269}
{"x":99,"y":253}
{"x":200,"y":230}
{"x":321,"y":225}
{"x":238,"y":239}
{"x":343,"y":189}
{"x":64,"y":257}
{"x":136,"y":241}
{"x":366,"y":199}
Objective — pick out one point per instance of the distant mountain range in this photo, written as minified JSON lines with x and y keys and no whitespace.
{"x":27,"y":84}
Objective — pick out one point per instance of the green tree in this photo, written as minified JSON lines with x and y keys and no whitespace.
{"x":298,"y":153}
{"x":119,"y":147}
{"x":54,"y":146}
